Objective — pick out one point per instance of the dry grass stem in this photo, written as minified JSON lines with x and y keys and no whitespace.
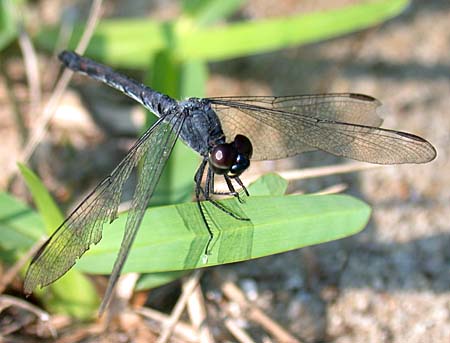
{"x":189,"y":287}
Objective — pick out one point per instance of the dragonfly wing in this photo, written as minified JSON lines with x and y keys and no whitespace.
{"x":154,"y":161}
{"x":341,"y":124}
{"x":83,"y":227}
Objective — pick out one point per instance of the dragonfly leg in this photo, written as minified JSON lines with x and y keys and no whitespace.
{"x":199,"y":191}
{"x":209,"y":189}
{"x":241,"y":184}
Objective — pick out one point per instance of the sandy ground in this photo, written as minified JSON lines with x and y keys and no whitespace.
{"x":390,"y":283}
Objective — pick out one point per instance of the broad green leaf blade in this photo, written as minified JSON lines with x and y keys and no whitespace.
{"x":269,"y":184}
{"x":173,"y":238}
{"x":73,"y":294}
{"x":248,"y":38}
{"x":45,"y":204}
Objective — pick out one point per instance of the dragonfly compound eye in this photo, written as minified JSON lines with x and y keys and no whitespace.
{"x":242,"y":163}
{"x":222,"y":157}
{"x":243,"y":146}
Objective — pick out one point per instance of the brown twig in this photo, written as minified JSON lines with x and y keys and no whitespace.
{"x":122,"y":294}
{"x":231,"y":323}
{"x":197,"y":313}
{"x":32,"y":71}
{"x":11,"y":96}
{"x":181,"y":329}
{"x":44,"y":317}
{"x":237,"y":332}
{"x":334,"y":189}
{"x":309,"y":173}
{"x":168,"y":326}
{"x":254,"y":313}
{"x":81,"y":334}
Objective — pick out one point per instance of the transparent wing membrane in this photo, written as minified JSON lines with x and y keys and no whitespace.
{"x":341,"y":124}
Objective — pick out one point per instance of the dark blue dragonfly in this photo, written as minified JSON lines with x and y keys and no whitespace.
{"x":227,"y":132}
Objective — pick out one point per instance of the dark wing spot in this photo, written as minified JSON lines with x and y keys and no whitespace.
{"x":362,"y":97}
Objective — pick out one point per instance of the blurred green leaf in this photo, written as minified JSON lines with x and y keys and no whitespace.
{"x":132,"y":43}
{"x":193,"y":77}
{"x":113,"y":42}
{"x":269,"y":184}
{"x":166,"y":73}
{"x":246,"y":38}
{"x":45,"y":204}
{"x":152,"y":280}
{"x":177,"y":181}
{"x":20,"y":228}
{"x":173,"y":238}
{"x":8,"y":27}
{"x":73,"y":294}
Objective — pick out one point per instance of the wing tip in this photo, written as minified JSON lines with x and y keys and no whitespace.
{"x":429,"y":151}
{"x":362,"y":97}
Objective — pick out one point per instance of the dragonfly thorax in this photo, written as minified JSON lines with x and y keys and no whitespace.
{"x":201,"y":128}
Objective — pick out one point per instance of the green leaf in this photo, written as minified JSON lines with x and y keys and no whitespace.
{"x":269,"y":184}
{"x":173,"y":238}
{"x":193,"y":77}
{"x":166,"y":73}
{"x":148,"y":281}
{"x":20,"y":228}
{"x":45,"y":204}
{"x":73,"y":294}
{"x":254,"y":37}
{"x":114,"y":41}
{"x":8,"y":27}
{"x":126,"y":43}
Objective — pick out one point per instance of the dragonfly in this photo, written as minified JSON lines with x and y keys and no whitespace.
{"x":228,"y":133}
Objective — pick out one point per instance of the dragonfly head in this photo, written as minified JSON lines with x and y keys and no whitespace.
{"x":231,"y":158}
